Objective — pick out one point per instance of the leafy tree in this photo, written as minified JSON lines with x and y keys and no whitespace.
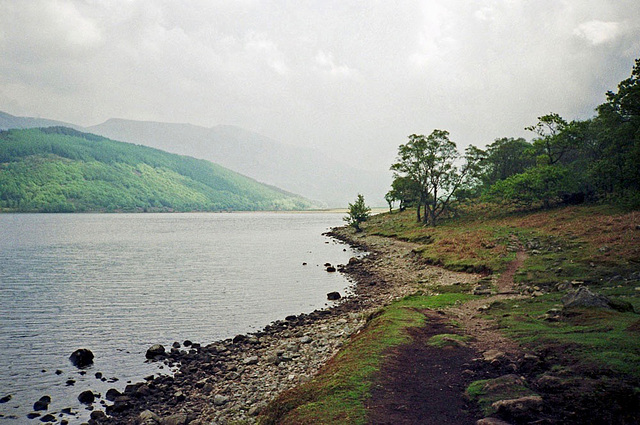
{"x":358,"y":213}
{"x":404,"y":190}
{"x":553,"y":141}
{"x":431,"y":162}
{"x":539,"y":184}
{"x":506,"y":157}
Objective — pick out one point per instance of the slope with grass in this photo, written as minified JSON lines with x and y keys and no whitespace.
{"x":572,"y":365}
{"x":58,"y":169}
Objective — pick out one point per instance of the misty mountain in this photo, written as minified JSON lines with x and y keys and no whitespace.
{"x":8,"y":121}
{"x":295,"y":169}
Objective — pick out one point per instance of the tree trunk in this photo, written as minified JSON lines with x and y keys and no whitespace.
{"x":418,"y":212}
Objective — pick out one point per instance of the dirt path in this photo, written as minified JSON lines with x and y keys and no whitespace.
{"x":419,"y":384}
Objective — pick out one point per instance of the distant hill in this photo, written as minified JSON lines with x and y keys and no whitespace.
{"x":8,"y":121}
{"x":300,"y":170}
{"x":59,"y":169}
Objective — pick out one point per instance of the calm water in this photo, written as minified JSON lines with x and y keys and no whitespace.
{"x":118,"y":283}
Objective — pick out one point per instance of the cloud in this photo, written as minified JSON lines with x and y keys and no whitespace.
{"x":327,"y":63}
{"x":598,"y":32}
{"x":352,"y":79}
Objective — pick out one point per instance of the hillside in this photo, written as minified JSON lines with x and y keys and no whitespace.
{"x":299,"y":170}
{"x":58,"y":169}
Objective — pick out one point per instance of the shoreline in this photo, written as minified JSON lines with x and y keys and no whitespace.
{"x":233,"y":379}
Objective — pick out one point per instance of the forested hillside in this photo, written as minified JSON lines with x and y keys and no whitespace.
{"x":58,"y":169}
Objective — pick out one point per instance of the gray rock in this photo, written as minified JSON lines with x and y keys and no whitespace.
{"x":155,"y":350}
{"x":177,"y":419}
{"x":583,"y":297}
{"x":250,"y":360}
{"x":220,"y":400}
{"x":305,"y":339}
{"x":520,"y":408}
{"x":148,"y":418}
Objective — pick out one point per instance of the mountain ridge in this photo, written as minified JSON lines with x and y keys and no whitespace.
{"x":301,"y":170}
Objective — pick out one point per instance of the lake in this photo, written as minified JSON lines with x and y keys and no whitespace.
{"x":119,"y":283}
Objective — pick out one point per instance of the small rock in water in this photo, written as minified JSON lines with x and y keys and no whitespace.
{"x":81,"y":357}
{"x":42,"y":404}
{"x":5,"y":399}
{"x":48,"y":418}
{"x":86,"y":397}
{"x":331,"y":269}
{"x":187,"y":343}
{"x":98,"y":375}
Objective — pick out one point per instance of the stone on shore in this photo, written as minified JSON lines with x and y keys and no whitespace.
{"x":334,"y":296}
{"x":220,"y":400}
{"x":155,"y":350}
{"x":148,"y":418}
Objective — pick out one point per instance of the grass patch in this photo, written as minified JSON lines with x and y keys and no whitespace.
{"x":337,"y":395}
{"x":448,"y":340}
{"x":599,"y":338}
{"x":485,"y":392}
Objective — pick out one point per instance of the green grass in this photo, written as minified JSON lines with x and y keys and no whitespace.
{"x":601,"y":339}
{"x":485,"y":392}
{"x":337,"y":395}
{"x":448,"y":340}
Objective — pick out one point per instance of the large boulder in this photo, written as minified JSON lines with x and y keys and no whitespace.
{"x":81,"y":357}
{"x":583,"y":297}
{"x":155,"y":350}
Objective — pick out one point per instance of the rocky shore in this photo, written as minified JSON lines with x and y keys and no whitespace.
{"x":232,"y":380}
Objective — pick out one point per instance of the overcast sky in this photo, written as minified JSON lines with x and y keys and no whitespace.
{"x":351,"y":78}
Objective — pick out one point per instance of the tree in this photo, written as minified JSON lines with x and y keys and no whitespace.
{"x":542,"y":183}
{"x":358,"y":213}
{"x":404,"y":190}
{"x":553,"y":141}
{"x":504,"y":158}
{"x":431,"y":162}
